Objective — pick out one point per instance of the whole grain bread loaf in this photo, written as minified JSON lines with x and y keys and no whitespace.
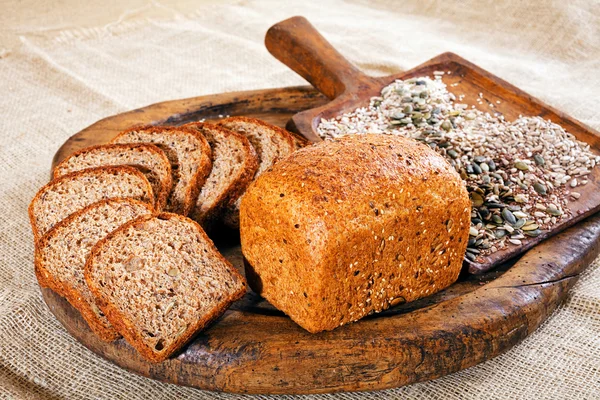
{"x":72,"y":192}
{"x":149,"y":159}
{"x":160,"y":280}
{"x":349,"y":227}
{"x":61,"y":254}
{"x":271,"y":144}
{"x":234,"y":164}
{"x":190,"y":157}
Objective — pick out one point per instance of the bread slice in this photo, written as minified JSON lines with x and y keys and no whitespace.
{"x":271,"y":144}
{"x":61,"y":254}
{"x":72,"y":192}
{"x":190,"y":157}
{"x":149,"y":159}
{"x":160,"y":280}
{"x":234,"y":164}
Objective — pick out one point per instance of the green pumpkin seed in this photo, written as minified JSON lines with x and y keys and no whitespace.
{"x":530,"y":227}
{"x":534,"y":233}
{"x":540,"y":188}
{"x":519,"y":224}
{"x":520,"y":165}
{"x":539,"y":160}
{"x":476,"y":199}
{"x":509,"y":216}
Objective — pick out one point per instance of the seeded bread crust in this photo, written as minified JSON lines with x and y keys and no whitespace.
{"x":271,"y":143}
{"x":36,"y":211}
{"x":125,"y":326}
{"x":148,"y":158}
{"x":65,"y":287}
{"x":207,"y":212}
{"x":184,"y":192}
{"x":349,"y":227}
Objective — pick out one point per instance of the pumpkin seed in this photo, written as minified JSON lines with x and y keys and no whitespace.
{"x":520,"y":165}
{"x":540,"y":188}
{"x":530,"y":227}
{"x":534,"y":233}
{"x":509,"y":216}
{"x":539,"y":160}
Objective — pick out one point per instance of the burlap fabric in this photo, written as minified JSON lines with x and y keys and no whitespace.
{"x":60,"y":74}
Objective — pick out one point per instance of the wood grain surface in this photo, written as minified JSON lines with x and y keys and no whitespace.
{"x":254,"y":348}
{"x":296,"y":43}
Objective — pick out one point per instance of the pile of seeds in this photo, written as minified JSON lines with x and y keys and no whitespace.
{"x":520,"y":175}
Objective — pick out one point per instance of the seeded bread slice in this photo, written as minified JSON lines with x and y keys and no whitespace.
{"x":61,"y":254}
{"x":160,"y":280}
{"x":190,"y":157}
{"x":271,"y":144}
{"x":149,"y":159}
{"x":234,"y":164}
{"x":72,"y":192}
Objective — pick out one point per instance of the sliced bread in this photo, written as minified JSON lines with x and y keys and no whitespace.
{"x":149,"y":159}
{"x":234,"y":164}
{"x":190,"y":157}
{"x":61,"y":254}
{"x":271,"y":144}
{"x":160,"y":280}
{"x":72,"y":192}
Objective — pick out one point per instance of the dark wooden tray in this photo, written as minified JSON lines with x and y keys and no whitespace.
{"x":254,"y":348}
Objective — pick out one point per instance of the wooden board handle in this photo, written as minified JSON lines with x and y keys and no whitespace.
{"x":297,"y":44}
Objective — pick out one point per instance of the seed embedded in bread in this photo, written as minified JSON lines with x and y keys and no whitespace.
{"x":271,"y":144}
{"x":234,"y":164}
{"x":160,"y":280}
{"x":61,"y":254}
{"x":344,"y":228}
{"x":72,"y":192}
{"x":149,"y":159}
{"x":190,"y":157}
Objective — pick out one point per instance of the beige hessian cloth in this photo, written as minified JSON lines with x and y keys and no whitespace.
{"x":56,"y":78}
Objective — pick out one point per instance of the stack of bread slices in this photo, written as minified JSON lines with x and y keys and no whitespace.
{"x":112,"y":233}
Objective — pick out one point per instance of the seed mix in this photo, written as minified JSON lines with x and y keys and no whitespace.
{"x":520,"y":175}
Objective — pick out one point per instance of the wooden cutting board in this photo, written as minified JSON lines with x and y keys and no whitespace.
{"x":254,"y":348}
{"x":296,"y":43}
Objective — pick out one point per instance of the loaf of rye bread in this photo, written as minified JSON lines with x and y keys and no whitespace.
{"x":160,"y":280}
{"x":349,"y":227}
{"x":148,"y":158}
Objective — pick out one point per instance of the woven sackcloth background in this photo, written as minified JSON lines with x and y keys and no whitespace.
{"x":66,"y":64}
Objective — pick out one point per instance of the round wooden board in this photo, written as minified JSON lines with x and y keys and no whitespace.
{"x":254,"y":348}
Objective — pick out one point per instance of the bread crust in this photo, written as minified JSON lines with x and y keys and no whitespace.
{"x":237,"y":186}
{"x":126,"y":327}
{"x":204,"y":167}
{"x":64,"y":289}
{"x":165,"y":185}
{"x":98,"y":170}
{"x":353,"y":226}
